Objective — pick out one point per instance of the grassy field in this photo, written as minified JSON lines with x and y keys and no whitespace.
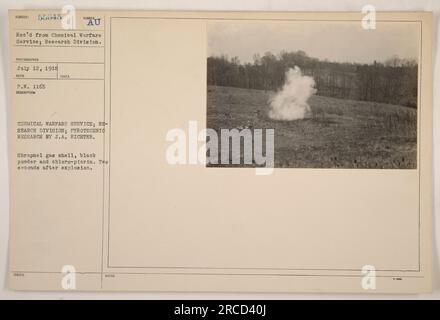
{"x":338,"y":133}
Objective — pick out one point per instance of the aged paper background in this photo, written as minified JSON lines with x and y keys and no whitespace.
{"x":346,"y":209}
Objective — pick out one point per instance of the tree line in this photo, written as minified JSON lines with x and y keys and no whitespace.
{"x":393,"y":81}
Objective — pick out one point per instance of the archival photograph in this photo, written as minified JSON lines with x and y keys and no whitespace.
{"x":317,"y":94}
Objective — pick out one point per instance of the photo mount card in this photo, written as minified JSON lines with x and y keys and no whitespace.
{"x":220,"y":151}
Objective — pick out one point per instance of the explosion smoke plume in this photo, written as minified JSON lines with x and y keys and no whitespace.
{"x":290,"y":103}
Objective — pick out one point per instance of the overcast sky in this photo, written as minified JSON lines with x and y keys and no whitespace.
{"x":335,"y":41}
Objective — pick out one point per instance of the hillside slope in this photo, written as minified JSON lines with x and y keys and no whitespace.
{"x":338,"y":134}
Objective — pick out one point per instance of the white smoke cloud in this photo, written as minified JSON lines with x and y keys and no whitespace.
{"x":290,"y":103}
